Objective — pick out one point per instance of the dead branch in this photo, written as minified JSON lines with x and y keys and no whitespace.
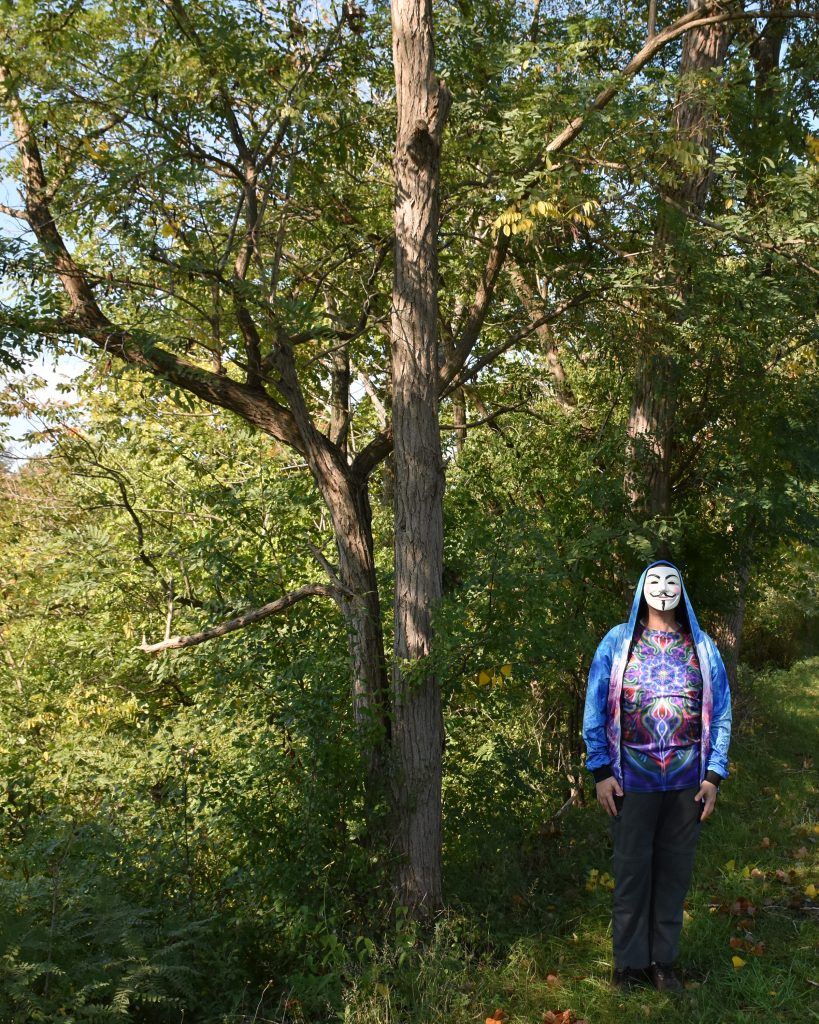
{"x":246,"y":619}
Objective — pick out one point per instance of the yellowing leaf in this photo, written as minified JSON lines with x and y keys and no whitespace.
{"x":731,"y":865}
{"x":484,"y":678}
{"x":738,"y":962}
{"x":506,"y":670}
{"x":810,"y":890}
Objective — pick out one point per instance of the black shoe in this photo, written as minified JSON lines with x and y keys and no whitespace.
{"x":628,"y":978}
{"x":664,"y":978}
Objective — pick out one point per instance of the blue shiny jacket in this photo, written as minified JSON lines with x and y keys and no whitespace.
{"x":601,"y":719}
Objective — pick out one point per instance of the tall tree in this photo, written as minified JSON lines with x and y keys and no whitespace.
{"x":650,"y":430}
{"x":423,"y":103}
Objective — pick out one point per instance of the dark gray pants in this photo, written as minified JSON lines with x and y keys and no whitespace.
{"x":655,"y":840}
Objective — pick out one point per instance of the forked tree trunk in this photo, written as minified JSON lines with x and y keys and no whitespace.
{"x":417,"y":724}
{"x":650,"y":431}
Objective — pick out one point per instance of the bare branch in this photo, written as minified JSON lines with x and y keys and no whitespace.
{"x":470,"y":332}
{"x":9,"y":211}
{"x":375,"y":398}
{"x":471,"y":371}
{"x":690,"y":20}
{"x":562,"y":389}
{"x":169,"y":614}
{"x":490,"y":417}
{"x":329,"y":569}
{"x":246,"y":619}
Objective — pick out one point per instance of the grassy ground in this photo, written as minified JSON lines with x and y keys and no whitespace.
{"x":752,"y":920}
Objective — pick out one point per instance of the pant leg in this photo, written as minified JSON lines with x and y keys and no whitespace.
{"x":633,"y":837}
{"x":675,"y":846}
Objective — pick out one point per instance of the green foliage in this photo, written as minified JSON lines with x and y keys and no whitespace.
{"x":173,"y":826}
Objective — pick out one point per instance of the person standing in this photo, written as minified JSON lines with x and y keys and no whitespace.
{"x":657,"y":724}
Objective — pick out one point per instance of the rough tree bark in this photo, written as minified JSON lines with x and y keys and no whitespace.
{"x":650,"y":429}
{"x":417,"y":724}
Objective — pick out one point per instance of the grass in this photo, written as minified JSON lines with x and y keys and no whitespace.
{"x":548,"y":948}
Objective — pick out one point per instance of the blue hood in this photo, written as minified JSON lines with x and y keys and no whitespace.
{"x":686,"y":612}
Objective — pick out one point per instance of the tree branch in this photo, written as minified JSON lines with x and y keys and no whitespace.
{"x":246,"y":619}
{"x":690,"y":20}
{"x":470,"y":332}
{"x":86,"y":319}
{"x":468,"y":373}
{"x":497,"y":253}
{"x":490,"y":417}
{"x":10,"y":211}
{"x":563,"y":390}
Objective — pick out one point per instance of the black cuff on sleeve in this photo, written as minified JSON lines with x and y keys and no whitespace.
{"x":603,"y":772}
{"x":712,"y":776}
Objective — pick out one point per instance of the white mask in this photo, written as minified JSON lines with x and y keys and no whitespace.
{"x":663,"y":588}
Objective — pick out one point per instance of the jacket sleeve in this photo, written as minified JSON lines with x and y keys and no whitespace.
{"x":597,"y":693}
{"x":721,"y":714}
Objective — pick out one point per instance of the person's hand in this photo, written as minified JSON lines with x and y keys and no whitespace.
{"x":606,"y":792}
{"x":708,"y":793}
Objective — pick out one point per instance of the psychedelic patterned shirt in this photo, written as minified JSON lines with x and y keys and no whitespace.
{"x":661,"y":713}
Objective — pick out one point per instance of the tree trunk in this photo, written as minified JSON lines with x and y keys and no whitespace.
{"x":563,"y":393}
{"x":417,"y":725}
{"x":459,"y":417}
{"x":650,"y":434}
{"x":340,"y":397}
{"x":766,"y":53}
{"x":650,"y":431}
{"x":729,"y":627}
{"x":346,"y":495}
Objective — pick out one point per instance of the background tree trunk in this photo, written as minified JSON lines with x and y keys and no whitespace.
{"x":729,"y":626}
{"x":650,"y":430}
{"x":417,"y":727}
